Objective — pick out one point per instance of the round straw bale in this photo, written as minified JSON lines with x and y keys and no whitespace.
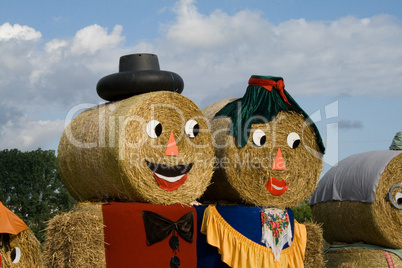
{"x":76,"y":238}
{"x":104,"y":153}
{"x":378,"y":222}
{"x":27,"y":245}
{"x":242,"y":173}
{"x":212,"y":109}
{"x":359,"y":258}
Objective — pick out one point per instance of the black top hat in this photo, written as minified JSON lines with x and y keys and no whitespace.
{"x":138,"y":73}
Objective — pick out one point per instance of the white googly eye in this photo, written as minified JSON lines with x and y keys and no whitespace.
{"x":154,"y":129}
{"x":293,"y":140}
{"x":397,"y":199}
{"x":191,"y":128}
{"x":259,"y":137}
{"x":16,"y":255}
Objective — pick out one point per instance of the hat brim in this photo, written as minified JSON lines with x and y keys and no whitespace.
{"x":126,"y":84}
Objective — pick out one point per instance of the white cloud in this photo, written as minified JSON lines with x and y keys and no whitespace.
{"x":27,"y":134}
{"x":18,"y":32}
{"x":95,"y":38}
{"x":55,"y":45}
{"x":215,"y":30}
{"x":40,"y":80}
{"x":60,"y":73}
{"x":215,"y":54}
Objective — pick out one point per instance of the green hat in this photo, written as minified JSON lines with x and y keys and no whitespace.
{"x":261,"y":104}
{"x":397,"y":142}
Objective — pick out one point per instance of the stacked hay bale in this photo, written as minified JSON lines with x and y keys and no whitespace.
{"x":360,"y":257}
{"x":147,"y":149}
{"x":76,"y":238}
{"x":18,"y":245}
{"x":269,"y":154}
{"x":360,"y":201}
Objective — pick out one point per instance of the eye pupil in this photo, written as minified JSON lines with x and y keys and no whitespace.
{"x":295,"y":144}
{"x":263,"y":139}
{"x":158,"y":130}
{"x":196,"y":130}
{"x":398,"y":198}
{"x":15,"y":255}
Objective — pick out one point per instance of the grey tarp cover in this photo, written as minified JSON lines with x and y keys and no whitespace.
{"x":396,"y":142}
{"x":355,"y":178}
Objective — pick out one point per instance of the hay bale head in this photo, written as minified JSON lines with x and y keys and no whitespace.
{"x":21,"y":250}
{"x":153,"y":147}
{"x":360,"y":200}
{"x":269,"y":152}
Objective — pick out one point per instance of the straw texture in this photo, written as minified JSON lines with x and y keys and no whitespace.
{"x":242,"y":173}
{"x":314,"y":256}
{"x":359,"y":258}
{"x":379,"y":223}
{"x":75,"y":239}
{"x":103,"y":151}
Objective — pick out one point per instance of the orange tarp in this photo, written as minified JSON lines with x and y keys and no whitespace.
{"x":9,"y":222}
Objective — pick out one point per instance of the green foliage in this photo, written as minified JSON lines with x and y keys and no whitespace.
{"x":31,"y":187}
{"x":303,"y":212}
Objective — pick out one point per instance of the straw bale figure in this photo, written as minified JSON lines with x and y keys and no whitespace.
{"x":136,"y":162}
{"x":269,"y":154}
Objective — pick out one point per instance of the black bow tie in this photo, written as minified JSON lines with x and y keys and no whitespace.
{"x":158,"y":227}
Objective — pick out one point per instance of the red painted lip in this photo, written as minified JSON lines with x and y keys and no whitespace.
{"x":276,"y":187}
{"x":170,"y":186}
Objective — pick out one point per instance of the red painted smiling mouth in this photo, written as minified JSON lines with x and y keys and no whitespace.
{"x":276,"y":187}
{"x":169,"y":178}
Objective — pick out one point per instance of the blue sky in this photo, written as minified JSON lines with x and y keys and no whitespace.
{"x":341,"y":60}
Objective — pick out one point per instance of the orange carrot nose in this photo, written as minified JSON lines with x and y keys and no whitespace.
{"x":172,"y":147}
{"x":279,"y":164}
